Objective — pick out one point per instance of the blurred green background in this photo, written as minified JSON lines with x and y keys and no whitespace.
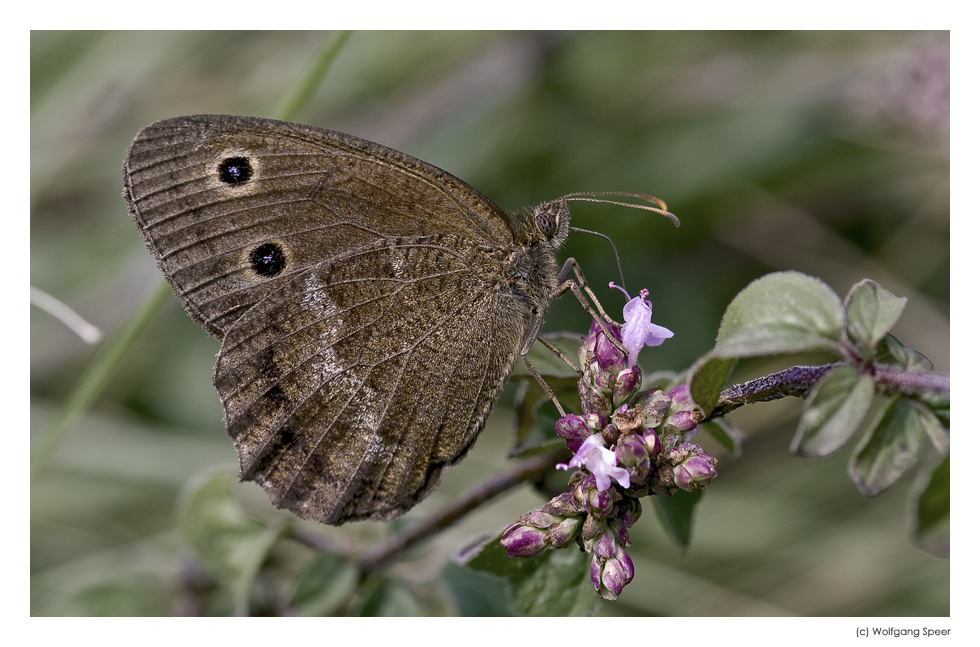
{"x":825,"y":152}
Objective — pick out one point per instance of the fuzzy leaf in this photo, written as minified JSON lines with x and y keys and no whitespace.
{"x":888,"y":449}
{"x":556,"y":583}
{"x":871,"y":312}
{"x":783,"y":312}
{"x":931,"y":521}
{"x":324,"y":586}
{"x":676,"y":515}
{"x":833,"y":411}
{"x":229,"y":544}
{"x":726,"y":435}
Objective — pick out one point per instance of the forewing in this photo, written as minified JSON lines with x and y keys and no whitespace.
{"x":312,"y":193}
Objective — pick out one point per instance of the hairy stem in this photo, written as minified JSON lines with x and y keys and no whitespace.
{"x":798,"y":380}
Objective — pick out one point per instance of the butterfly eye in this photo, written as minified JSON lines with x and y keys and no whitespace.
{"x":267,"y":260}
{"x":545,"y":222}
{"x":235,"y":170}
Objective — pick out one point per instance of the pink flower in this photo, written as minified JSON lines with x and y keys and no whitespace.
{"x":601,"y":462}
{"x":638,"y":330}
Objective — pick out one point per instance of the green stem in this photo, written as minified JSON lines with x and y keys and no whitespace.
{"x":96,"y":375}
{"x":318,"y":68}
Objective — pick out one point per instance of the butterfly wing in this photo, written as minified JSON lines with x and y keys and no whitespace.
{"x":358,"y":295}
{"x":214,"y":195}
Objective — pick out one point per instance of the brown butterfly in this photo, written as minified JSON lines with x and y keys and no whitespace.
{"x":369,"y":305}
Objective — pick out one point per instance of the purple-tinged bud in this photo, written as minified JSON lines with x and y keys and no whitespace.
{"x":592,"y":529}
{"x":563,"y":505}
{"x":574,"y":430}
{"x":611,"y":569}
{"x":594,"y":400}
{"x":651,"y":441}
{"x":564,"y":533}
{"x":628,"y":418}
{"x":693,"y":468}
{"x":626,"y":385}
{"x":655,"y":405}
{"x":629,"y":511}
{"x":683,"y":421}
{"x":610,"y":358}
{"x":610,"y":434}
{"x":580,"y":492}
{"x":631,"y":455}
{"x":524,"y":541}
{"x":538,"y":519}
{"x":601,"y":503}
{"x":595,"y":421}
{"x":680,"y":398}
{"x":620,"y":532}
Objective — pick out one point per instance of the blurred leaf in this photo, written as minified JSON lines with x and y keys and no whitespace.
{"x":908,"y":358}
{"x":726,"y":435}
{"x":783,"y":312}
{"x":115,"y":599}
{"x":676,"y":515}
{"x":324,"y":586}
{"x":228,"y":543}
{"x":931,"y":511}
{"x":934,"y":428}
{"x":833,"y":411}
{"x":388,"y":597}
{"x":478,"y":593}
{"x":556,"y":583}
{"x":889,"y":448}
{"x":871,"y":312}
{"x":708,"y":378}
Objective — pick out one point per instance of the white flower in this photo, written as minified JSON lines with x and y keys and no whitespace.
{"x":638,"y":330}
{"x":601,"y":462}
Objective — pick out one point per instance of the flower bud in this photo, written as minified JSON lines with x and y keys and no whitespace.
{"x":693,"y":468}
{"x":610,"y":434}
{"x":574,"y":430}
{"x":628,"y":418}
{"x":626,"y":384}
{"x":631,"y":455}
{"x":654,"y":405}
{"x":611,"y":569}
{"x":563,"y":505}
{"x":563,"y":533}
{"x":524,"y":541}
{"x":651,"y":441}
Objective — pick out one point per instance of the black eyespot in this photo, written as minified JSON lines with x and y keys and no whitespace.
{"x":268,"y":260}
{"x":235,"y":170}
{"x":546,"y":223}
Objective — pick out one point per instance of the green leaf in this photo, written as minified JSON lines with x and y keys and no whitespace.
{"x":871,"y":312}
{"x":324,"y":586}
{"x":934,"y":427}
{"x":708,"y":377}
{"x":784,"y":312}
{"x":556,"y":583}
{"x":477,"y":593}
{"x":931,"y":521}
{"x":387,"y":597}
{"x":833,"y":411}
{"x":229,"y":544}
{"x":909,"y":358}
{"x":888,"y":449}
{"x":676,"y":515}
{"x":726,"y":435}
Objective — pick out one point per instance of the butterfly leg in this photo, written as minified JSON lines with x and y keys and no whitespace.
{"x":577,"y":286}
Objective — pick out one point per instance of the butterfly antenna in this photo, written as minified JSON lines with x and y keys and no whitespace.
{"x":660,"y":207}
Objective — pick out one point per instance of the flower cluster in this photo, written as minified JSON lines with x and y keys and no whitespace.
{"x":627,"y":445}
